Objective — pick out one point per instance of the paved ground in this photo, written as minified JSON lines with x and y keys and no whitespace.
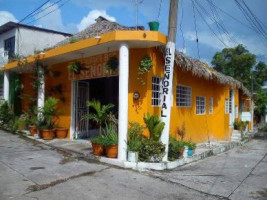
{"x":29,"y":170}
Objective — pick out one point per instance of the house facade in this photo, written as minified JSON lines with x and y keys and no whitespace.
{"x":20,"y":40}
{"x":205,"y":103}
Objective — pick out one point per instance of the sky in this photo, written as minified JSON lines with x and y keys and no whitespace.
{"x":199,"y":20}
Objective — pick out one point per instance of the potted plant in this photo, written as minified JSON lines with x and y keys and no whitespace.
{"x":97,"y":145}
{"x":135,"y":136}
{"x":111,"y":141}
{"x":176,"y":148}
{"x":75,"y":67}
{"x":47,"y":117}
{"x":112,"y":63}
{"x":23,"y":121}
{"x":61,"y":132}
{"x":144,"y":66}
{"x":191,"y":148}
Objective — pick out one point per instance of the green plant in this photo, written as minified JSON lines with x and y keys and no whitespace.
{"x":154,"y":125}
{"x":151,"y":151}
{"x":100,"y":115}
{"x":239,"y":125}
{"x":144,"y":66}
{"x":190,"y":145}
{"x":6,"y":113}
{"x":73,"y":40}
{"x":48,"y":114}
{"x":135,"y":136}
{"x":98,"y":139}
{"x":75,"y":67}
{"x":112,"y":63}
{"x":110,"y":135}
{"x":174,"y":147}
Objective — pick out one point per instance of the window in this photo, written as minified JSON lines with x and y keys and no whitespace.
{"x":10,"y":46}
{"x":211,"y":105}
{"x":183,"y":96}
{"x":156,"y":91}
{"x":230,"y":101}
{"x":226,"y":106}
{"x":200,"y":105}
{"x":243,"y":106}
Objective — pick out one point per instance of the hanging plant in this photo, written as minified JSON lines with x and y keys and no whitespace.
{"x":75,"y":67}
{"x":112,"y":63}
{"x":145,"y":65}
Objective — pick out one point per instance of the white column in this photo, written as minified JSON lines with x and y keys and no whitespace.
{"x":6,"y":85}
{"x":41,"y":89}
{"x":167,"y":95}
{"x":123,"y":100}
{"x":233,"y":107}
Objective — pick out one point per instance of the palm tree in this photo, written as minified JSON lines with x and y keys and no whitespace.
{"x":101,"y":115}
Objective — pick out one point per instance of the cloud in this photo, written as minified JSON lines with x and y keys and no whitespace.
{"x":90,"y":18}
{"x":6,"y":16}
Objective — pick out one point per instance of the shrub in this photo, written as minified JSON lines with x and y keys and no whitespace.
{"x":174,"y":147}
{"x":151,"y":151}
{"x":135,"y":135}
{"x":110,"y":136}
{"x":154,"y":125}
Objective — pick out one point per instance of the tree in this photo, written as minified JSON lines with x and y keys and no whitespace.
{"x":239,"y":63}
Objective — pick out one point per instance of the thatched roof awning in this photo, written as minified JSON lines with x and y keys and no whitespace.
{"x":203,"y":70}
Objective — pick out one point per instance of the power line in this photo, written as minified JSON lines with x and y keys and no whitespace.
{"x":159,"y":9}
{"x":34,"y":11}
{"x":49,"y":12}
{"x":45,"y":8}
{"x":181,"y":24}
{"x":193,"y":4}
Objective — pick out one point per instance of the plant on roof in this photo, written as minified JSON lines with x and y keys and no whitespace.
{"x":112,"y":63}
{"x":75,"y":67}
{"x":73,"y":40}
{"x":144,"y":67}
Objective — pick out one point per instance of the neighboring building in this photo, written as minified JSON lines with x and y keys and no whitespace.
{"x":264,"y":87}
{"x":205,"y":101}
{"x":19,"y":40}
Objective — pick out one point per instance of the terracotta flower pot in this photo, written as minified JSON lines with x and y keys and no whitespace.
{"x":112,"y":151}
{"x":47,"y":134}
{"x":98,"y":149}
{"x":181,"y":153}
{"x":61,"y":132}
{"x":33,"y":130}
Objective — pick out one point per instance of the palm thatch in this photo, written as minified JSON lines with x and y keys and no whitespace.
{"x":203,"y":70}
{"x":101,"y":26}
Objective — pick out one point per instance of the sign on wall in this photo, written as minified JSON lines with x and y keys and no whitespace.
{"x":95,"y":67}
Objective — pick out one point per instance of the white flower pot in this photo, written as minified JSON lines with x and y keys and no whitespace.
{"x":132,"y":156}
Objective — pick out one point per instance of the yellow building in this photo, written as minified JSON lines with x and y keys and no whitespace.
{"x":205,"y":102}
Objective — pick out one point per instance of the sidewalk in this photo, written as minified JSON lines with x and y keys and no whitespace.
{"x":84,"y":148}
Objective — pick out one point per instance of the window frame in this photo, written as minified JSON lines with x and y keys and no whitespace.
{"x":226,"y":106}
{"x":205,"y":106}
{"x":211,"y":103}
{"x":153,"y":91}
{"x":176,"y":99}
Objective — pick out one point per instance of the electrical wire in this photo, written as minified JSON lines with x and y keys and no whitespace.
{"x":33,"y":11}
{"x":181,"y":25}
{"x":159,"y":9}
{"x":193,"y":5}
{"x":49,"y":12}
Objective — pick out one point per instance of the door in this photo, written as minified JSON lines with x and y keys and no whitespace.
{"x":81,"y":109}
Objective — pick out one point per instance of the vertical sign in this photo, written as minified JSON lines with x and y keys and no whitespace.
{"x":167,"y":83}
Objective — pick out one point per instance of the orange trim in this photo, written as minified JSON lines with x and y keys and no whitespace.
{"x":114,"y":36}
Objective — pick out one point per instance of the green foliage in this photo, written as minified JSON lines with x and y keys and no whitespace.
{"x":48,"y":114}
{"x":263,"y":129}
{"x":135,"y":136}
{"x":112,"y":63}
{"x":174,"y":147}
{"x":239,"y":125}
{"x":110,"y":135}
{"x":73,"y":40}
{"x":190,"y":145}
{"x":75,"y":67}
{"x":236,"y":62}
{"x":239,"y":63}
{"x":151,"y":151}
{"x":154,"y":125}
{"x":144,"y":66}
{"x":100,"y":115}
{"x":98,"y":139}
{"x":8,"y":121}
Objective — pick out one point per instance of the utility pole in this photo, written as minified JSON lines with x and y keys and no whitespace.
{"x":167,"y":82}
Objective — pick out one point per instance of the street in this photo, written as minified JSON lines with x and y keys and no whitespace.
{"x":30,"y":170}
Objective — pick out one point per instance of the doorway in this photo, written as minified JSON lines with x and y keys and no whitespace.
{"x":105,"y":90}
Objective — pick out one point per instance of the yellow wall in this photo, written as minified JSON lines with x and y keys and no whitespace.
{"x":199,"y":128}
